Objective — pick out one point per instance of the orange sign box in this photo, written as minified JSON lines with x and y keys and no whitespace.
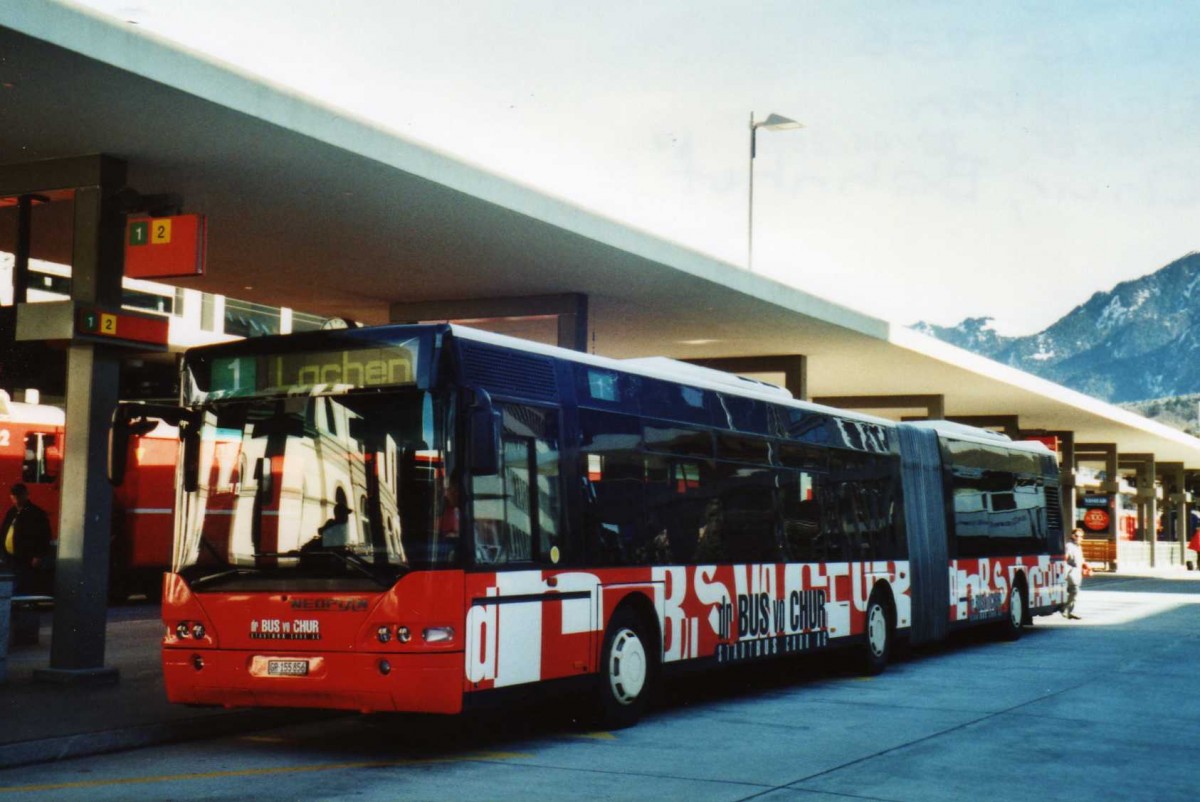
{"x":165,"y":247}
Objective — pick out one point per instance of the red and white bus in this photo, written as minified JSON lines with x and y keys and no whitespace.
{"x":31,"y":443}
{"x":425,"y":518}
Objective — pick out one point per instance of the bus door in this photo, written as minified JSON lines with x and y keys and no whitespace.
{"x":525,"y":621}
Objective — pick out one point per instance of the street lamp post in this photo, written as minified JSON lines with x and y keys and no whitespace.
{"x":774,"y":122}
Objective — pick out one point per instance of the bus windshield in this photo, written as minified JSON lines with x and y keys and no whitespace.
{"x":319,"y":491}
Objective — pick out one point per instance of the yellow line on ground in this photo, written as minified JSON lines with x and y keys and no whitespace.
{"x":599,"y":736}
{"x":215,"y":775}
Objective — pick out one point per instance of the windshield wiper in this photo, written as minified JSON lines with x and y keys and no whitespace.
{"x":223,"y":575}
{"x":354,"y":561}
{"x":348,"y":557}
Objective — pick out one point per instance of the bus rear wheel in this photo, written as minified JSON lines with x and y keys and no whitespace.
{"x":628,"y":664}
{"x":878,"y":648}
{"x":1014,"y":623}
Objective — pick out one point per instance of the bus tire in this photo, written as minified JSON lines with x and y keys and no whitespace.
{"x":628,"y":663}
{"x":1013,"y":623}
{"x":878,"y":648}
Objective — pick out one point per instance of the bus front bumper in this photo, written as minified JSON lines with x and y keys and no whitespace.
{"x":376,"y":682}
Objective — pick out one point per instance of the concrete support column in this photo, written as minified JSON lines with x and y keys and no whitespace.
{"x":1067,"y":479}
{"x":1099,"y":452}
{"x":81,"y":572}
{"x":81,"y":576}
{"x":1147,"y":499}
{"x":93,"y":371}
{"x":1175,"y":499}
{"x":794,"y":368}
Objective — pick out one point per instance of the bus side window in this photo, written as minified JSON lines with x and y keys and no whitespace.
{"x":801,"y":516}
{"x":517,"y":512}
{"x":675,"y":497}
{"x":615,"y":506}
{"x":749,"y":519}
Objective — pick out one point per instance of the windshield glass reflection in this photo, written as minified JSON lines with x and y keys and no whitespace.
{"x":339,"y":490}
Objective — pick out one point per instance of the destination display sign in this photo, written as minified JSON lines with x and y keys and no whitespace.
{"x":300,"y":371}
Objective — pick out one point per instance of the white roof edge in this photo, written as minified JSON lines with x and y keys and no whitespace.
{"x":936,"y":349}
{"x":157,"y":59}
{"x":961,"y":431}
{"x":685,"y":372}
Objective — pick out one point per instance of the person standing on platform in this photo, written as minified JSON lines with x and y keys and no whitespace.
{"x":1075,"y":571}
{"x":25,"y":543}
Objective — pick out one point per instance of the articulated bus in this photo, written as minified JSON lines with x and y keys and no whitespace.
{"x":427,"y":518}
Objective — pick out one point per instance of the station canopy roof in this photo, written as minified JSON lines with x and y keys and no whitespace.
{"x":311,"y":209}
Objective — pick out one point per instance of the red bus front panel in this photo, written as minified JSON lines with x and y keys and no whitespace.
{"x":400,"y":649}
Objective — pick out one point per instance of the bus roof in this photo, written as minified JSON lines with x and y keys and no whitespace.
{"x":660,"y":367}
{"x":18,"y":412}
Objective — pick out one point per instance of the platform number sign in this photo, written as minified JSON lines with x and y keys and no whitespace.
{"x":139,"y":233}
{"x":94,"y":322}
{"x":150,"y":232}
{"x":122,"y":328}
{"x":161,"y":247}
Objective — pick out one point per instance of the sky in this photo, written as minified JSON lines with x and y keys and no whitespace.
{"x":1004,"y":159}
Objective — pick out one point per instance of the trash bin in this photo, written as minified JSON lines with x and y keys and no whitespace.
{"x":6,"y":592}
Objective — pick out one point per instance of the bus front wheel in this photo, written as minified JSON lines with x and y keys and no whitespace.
{"x":627,"y":667}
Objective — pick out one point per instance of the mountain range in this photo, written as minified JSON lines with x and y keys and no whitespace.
{"x":1136,"y":342}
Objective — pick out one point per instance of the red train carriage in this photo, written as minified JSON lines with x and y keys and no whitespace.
{"x":31,"y":443}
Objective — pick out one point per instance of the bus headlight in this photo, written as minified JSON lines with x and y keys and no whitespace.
{"x":384,"y":634}
{"x":438,"y":634}
{"x":183,"y":630}
{"x":403,"y":635}
{"x":198,"y":631}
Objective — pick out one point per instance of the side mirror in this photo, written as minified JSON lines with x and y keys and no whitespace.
{"x":189,"y":434}
{"x":131,"y":419}
{"x":484,"y":423}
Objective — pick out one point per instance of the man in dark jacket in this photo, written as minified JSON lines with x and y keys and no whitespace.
{"x":25,"y":542}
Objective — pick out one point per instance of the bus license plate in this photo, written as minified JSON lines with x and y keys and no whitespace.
{"x":287,"y":668}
